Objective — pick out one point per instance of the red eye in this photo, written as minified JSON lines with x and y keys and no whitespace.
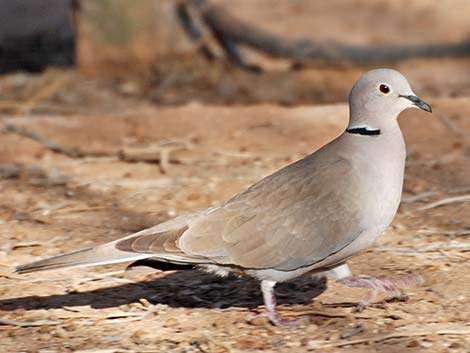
{"x":384,"y":88}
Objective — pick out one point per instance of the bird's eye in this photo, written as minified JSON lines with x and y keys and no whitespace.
{"x":384,"y":88}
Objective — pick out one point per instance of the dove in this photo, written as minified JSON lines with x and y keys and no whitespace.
{"x":311,"y":216}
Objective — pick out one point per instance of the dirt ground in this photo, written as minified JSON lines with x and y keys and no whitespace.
{"x":189,"y":136}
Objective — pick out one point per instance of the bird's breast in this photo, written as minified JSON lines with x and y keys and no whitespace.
{"x":383,"y":180}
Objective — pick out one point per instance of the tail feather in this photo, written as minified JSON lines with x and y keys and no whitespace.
{"x":100,"y":255}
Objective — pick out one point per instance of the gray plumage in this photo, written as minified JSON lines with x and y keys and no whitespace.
{"x":310,"y":216}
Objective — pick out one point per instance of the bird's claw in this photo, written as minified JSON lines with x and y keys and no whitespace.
{"x":392,"y":287}
{"x":277,"y":320}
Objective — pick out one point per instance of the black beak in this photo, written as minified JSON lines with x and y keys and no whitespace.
{"x":419,"y":103}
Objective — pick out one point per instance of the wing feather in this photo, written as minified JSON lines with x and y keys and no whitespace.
{"x":297,"y":216}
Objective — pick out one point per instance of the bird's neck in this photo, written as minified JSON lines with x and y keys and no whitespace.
{"x":372,"y":127}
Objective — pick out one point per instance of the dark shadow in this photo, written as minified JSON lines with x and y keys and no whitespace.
{"x":190,"y":289}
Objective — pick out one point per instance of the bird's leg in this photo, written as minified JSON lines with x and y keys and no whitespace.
{"x":267,"y":287}
{"x":393,"y":287}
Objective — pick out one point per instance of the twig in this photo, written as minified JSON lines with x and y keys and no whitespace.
{"x":355,"y":331}
{"x":453,"y":245}
{"x":224,"y":345}
{"x":325,"y":313}
{"x":44,"y":93}
{"x":451,"y":233}
{"x":459,"y":189}
{"x":390,"y":336}
{"x":30,"y":323}
{"x":212,"y":42}
{"x":111,"y":316}
{"x":236,"y":31}
{"x":419,"y":197}
{"x":160,"y":154}
{"x":450,"y":124}
{"x":445,"y":201}
{"x":196,"y":30}
{"x":9,"y":171}
{"x":71,"y":152}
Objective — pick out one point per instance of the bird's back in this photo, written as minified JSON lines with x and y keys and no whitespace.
{"x":293,"y":218}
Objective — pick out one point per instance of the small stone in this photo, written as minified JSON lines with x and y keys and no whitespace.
{"x":193,"y":197}
{"x":317,"y":305}
{"x":304,"y":341}
{"x":44,"y":329}
{"x":45,"y":337}
{"x":19,"y":312}
{"x":138,"y":334}
{"x":70,"y":327}
{"x":59,"y":333}
{"x":36,"y":252}
{"x":455,"y":345}
{"x":171,"y":322}
{"x":145,"y":302}
{"x":259,"y":321}
{"x":249,"y":344}
{"x":413,"y":344}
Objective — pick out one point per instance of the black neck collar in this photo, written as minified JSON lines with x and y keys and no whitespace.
{"x":363,"y":131}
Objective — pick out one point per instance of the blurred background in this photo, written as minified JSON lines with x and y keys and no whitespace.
{"x":116,"y":115}
{"x":172,"y":52}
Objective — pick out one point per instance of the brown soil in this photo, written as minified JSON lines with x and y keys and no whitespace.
{"x":228,"y":128}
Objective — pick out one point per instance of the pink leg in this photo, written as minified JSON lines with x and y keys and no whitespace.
{"x":267,"y":287}
{"x":393,"y":287}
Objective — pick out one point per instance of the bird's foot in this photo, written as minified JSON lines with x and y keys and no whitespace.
{"x":277,"y":320}
{"x":267,"y":287}
{"x":283,"y":322}
{"x":392,"y":287}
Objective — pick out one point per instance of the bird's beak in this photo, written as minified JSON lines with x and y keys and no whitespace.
{"x":418,"y":102}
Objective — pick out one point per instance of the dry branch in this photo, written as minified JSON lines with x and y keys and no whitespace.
{"x":442,"y":246}
{"x":230,"y":31}
{"x":211,"y":42}
{"x":390,"y":336}
{"x":160,"y":154}
{"x":30,"y":323}
{"x":446,"y":201}
{"x":419,"y":197}
{"x":71,"y":152}
{"x":46,"y":91}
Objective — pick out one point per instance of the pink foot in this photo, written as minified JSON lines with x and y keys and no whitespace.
{"x":393,"y":287}
{"x":279,"y":321}
{"x":271,"y":312}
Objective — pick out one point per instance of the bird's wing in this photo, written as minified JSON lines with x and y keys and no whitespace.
{"x":291,"y":219}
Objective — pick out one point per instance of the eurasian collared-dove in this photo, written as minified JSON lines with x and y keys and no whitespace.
{"x":311,"y":216}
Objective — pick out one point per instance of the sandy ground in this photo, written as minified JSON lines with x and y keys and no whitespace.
{"x":206,"y":132}
{"x":52,"y":204}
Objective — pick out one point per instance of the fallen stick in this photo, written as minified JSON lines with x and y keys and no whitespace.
{"x":453,"y":245}
{"x":228,"y":29}
{"x":419,"y":197}
{"x":445,"y":201}
{"x":160,"y":155}
{"x":391,"y":336}
{"x":71,"y":152}
{"x":294,"y":313}
{"x":29,"y":323}
{"x":45,"y":91}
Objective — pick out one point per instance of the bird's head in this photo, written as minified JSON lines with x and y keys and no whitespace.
{"x":381,"y":95}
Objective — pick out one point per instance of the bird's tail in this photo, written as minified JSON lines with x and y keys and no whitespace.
{"x":100,"y":255}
